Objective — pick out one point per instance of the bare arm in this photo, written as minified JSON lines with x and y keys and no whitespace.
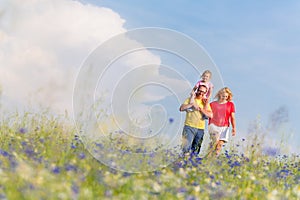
{"x":192,"y":97}
{"x":210,"y":93}
{"x":183,"y":107}
{"x":206,"y":112}
{"x":232,"y":120}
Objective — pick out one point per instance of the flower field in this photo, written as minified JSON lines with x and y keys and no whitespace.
{"x":42,"y":158}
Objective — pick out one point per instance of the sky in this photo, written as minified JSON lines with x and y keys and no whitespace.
{"x":255,"y":46}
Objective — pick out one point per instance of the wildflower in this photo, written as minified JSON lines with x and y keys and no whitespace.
{"x":75,"y":188}
{"x":182,"y":190}
{"x":283,"y":173}
{"x":81,"y":155}
{"x":235,"y":164}
{"x":227,"y":154}
{"x":198,"y":160}
{"x":190,"y":198}
{"x":70,"y":167}
{"x":126,"y":174}
{"x":4,"y":153}
{"x":56,"y":170}
{"x":23,"y":130}
{"x":139,"y":150}
{"x":265,"y":189}
{"x":99,"y":145}
{"x":157,"y":173}
{"x":76,"y":137}
{"x":29,"y":152}
{"x":108,"y":193}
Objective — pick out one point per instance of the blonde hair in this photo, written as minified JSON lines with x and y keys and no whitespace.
{"x":224,"y":90}
{"x":206,"y":72}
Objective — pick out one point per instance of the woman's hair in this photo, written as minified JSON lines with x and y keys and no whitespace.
{"x":206,"y":72}
{"x":226,"y":90}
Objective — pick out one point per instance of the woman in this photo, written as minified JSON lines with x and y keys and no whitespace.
{"x":223,"y":115}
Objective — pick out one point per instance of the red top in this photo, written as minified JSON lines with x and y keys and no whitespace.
{"x":221,"y":113}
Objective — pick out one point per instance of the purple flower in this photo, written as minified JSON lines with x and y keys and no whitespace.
{"x":29,"y":152}
{"x":56,"y":170}
{"x":70,"y":167}
{"x":75,"y":188}
{"x":190,"y":197}
{"x":99,"y":145}
{"x":4,"y":153}
{"x":108,"y":193}
{"x":23,"y":130}
{"x":235,"y":164}
{"x":182,"y":190}
{"x":157,"y":173}
{"x":283,"y":173}
{"x":126,"y":174}
{"x":81,"y":155}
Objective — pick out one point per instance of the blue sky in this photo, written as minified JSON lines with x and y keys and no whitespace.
{"x":254,"y":44}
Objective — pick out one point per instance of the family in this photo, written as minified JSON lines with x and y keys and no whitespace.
{"x":219,"y":113}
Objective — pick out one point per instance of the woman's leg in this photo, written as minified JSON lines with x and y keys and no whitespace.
{"x":219,"y":146}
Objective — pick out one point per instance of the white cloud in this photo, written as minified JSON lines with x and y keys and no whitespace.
{"x":44,"y":42}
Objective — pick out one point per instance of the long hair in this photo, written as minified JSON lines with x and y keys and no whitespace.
{"x":224,"y":90}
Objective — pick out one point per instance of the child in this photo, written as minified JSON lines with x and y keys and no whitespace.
{"x":205,"y":80}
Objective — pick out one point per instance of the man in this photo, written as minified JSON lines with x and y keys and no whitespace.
{"x":193,"y":131}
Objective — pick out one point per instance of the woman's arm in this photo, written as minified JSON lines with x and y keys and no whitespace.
{"x":206,"y":112}
{"x":232,"y":120}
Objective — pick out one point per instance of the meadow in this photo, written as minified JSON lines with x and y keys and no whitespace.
{"x":41,"y":157}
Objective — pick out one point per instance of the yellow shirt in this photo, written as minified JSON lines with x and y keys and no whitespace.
{"x":194,"y":118}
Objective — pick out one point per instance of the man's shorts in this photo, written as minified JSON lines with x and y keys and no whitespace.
{"x":218,"y":133}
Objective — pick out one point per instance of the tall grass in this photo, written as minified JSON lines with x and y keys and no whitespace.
{"x":42,"y":158}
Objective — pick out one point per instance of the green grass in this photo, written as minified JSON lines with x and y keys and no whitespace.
{"x":40,"y":158}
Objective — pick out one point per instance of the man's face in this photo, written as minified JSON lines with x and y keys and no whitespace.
{"x":201,"y":91}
